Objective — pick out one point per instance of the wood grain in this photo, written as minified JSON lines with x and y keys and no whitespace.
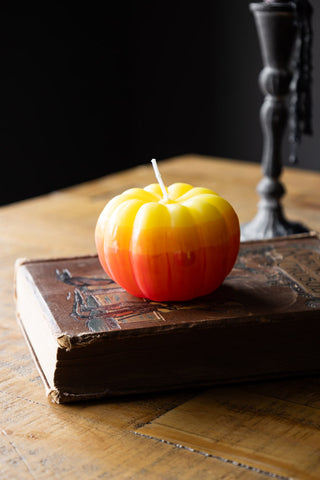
{"x":247,"y":427}
{"x":39,"y":440}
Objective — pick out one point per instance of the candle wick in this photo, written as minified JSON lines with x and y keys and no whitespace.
{"x":159,"y":178}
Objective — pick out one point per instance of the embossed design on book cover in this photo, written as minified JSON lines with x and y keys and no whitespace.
{"x":294,"y":269}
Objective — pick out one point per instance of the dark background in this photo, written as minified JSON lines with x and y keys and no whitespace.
{"x":93,"y":88}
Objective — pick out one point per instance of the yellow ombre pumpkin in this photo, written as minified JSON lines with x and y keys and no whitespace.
{"x":172,"y":247}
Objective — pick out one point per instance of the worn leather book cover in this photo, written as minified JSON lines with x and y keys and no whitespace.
{"x":90,"y":338}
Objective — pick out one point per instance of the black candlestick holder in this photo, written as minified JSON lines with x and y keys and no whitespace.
{"x":276,"y":24}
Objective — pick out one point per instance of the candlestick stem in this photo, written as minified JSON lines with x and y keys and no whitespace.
{"x":159,"y":178}
{"x":276,"y":25}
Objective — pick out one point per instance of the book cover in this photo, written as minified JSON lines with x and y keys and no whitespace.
{"x":90,"y":338}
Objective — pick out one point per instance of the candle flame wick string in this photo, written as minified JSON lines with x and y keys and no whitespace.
{"x":159,"y":178}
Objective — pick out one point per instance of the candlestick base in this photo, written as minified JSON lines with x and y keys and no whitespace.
{"x":270,"y":223}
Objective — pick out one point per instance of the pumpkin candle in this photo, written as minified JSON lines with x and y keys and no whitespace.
{"x":168,"y":244}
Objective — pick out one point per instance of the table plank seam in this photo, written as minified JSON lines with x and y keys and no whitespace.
{"x":165,"y":411}
{"x":216,"y":457}
{"x":20,"y":397}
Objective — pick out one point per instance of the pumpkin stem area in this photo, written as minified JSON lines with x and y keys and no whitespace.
{"x":160,"y":181}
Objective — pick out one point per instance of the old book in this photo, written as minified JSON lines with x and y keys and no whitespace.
{"x":91,"y":339}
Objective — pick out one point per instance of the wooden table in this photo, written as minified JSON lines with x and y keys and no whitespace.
{"x":249,"y":431}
